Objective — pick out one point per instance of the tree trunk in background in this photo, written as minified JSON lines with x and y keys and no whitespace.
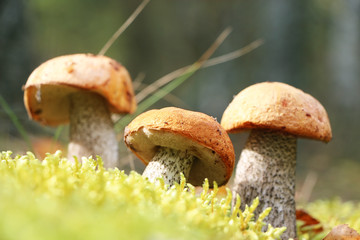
{"x":344,"y":50}
{"x":283,"y":27}
{"x":14,"y":57}
{"x":344,"y":64}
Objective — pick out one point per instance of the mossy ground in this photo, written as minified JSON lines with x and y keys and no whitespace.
{"x":55,"y":199}
{"x":331,"y":213}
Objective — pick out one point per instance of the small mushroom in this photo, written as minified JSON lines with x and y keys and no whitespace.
{"x":342,"y":232}
{"x":171,"y":141}
{"x":82,"y":89}
{"x":277,"y":114}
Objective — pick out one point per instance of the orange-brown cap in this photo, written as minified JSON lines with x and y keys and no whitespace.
{"x":48,"y":86}
{"x":277,"y":106}
{"x":197,"y":133}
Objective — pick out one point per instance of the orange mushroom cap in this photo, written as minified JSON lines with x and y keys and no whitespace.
{"x":48,"y":86}
{"x":277,"y":106}
{"x":194,"y":132}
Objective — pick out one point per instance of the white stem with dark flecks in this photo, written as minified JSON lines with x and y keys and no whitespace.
{"x":169,"y":163}
{"x":91,"y":129}
{"x":266,"y":169}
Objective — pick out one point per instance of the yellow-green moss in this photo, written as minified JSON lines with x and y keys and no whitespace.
{"x":331,"y":213}
{"x":54,"y":199}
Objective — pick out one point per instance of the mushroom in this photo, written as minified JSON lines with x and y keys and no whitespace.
{"x":342,"y":232}
{"x":82,"y":89}
{"x":171,"y":141}
{"x":277,"y":114}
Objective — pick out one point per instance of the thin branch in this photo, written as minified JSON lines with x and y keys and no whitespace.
{"x":219,"y":40}
{"x":137,"y":82}
{"x":211,"y":62}
{"x":170,"y":98}
{"x":235,"y":54}
{"x":123,"y":27}
{"x":185,"y":74}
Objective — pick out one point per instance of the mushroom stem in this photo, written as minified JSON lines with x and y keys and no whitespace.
{"x":267,"y":169}
{"x":169,"y":163}
{"x":91,"y":129}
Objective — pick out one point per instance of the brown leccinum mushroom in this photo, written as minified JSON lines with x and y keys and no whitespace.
{"x":171,"y":141}
{"x":277,"y":114}
{"x":82,"y":89}
{"x":342,"y":232}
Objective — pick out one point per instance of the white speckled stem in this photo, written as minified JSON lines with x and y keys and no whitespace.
{"x":91,"y":129}
{"x":169,"y":163}
{"x":267,"y":169}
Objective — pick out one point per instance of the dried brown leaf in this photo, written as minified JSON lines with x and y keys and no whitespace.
{"x":310,"y":224}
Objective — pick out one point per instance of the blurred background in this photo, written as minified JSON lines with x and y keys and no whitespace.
{"x":312,"y":45}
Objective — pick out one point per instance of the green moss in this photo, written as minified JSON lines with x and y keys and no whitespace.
{"x":54,"y":199}
{"x":334,"y":212}
{"x":330,"y":213}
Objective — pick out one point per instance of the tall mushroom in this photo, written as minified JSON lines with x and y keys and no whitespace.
{"x":82,"y":89}
{"x":171,"y":141}
{"x":277,"y":114}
